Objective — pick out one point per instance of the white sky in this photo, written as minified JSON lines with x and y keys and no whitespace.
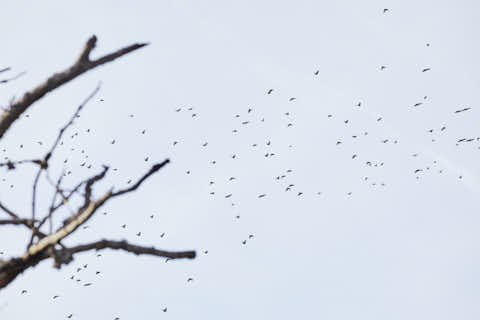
{"x":406,"y":250}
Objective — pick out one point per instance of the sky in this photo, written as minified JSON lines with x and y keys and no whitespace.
{"x":359,"y":235}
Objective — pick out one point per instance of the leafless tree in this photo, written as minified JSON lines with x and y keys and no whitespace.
{"x":47,"y":244}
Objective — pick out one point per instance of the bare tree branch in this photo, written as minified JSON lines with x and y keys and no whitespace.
{"x":154,"y":169}
{"x":9,"y":212}
{"x":12,"y":164}
{"x":70,"y":122}
{"x":13,"y":78}
{"x":26,"y":222}
{"x":82,"y":65}
{"x":34,"y":191}
{"x":124,"y":245}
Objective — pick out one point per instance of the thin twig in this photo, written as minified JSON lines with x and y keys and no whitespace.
{"x":13,"y":78}
{"x":154,"y":169}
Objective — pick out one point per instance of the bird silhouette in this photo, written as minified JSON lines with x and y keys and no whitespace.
{"x":462,"y":110}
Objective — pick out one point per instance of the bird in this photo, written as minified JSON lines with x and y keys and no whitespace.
{"x":462,"y":110}
{"x":189,"y":279}
{"x":426,"y":69}
{"x":385,"y":10}
{"x":124,"y":226}
{"x":70,"y":315}
{"x":269,"y":91}
{"x":316,"y":72}
{"x":23,"y":291}
{"x":291,"y":99}
{"x":164,"y":309}
{"x":87,"y":284}
{"x":262,"y":195}
{"x":55,"y":297}
{"x":417,"y":104}
{"x":228,"y":195}
{"x":162,"y":235}
{"x":139,"y":234}
{"x":383,"y":68}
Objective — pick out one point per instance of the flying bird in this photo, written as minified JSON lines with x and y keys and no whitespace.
{"x":462,"y":110}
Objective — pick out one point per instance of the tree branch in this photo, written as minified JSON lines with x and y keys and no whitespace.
{"x":26,"y":222}
{"x":124,"y":245}
{"x":82,"y":65}
{"x":154,"y":169}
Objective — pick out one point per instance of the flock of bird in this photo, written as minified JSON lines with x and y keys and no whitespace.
{"x":287,"y":186}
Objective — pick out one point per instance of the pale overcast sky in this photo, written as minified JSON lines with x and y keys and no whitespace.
{"x":378,"y":242}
